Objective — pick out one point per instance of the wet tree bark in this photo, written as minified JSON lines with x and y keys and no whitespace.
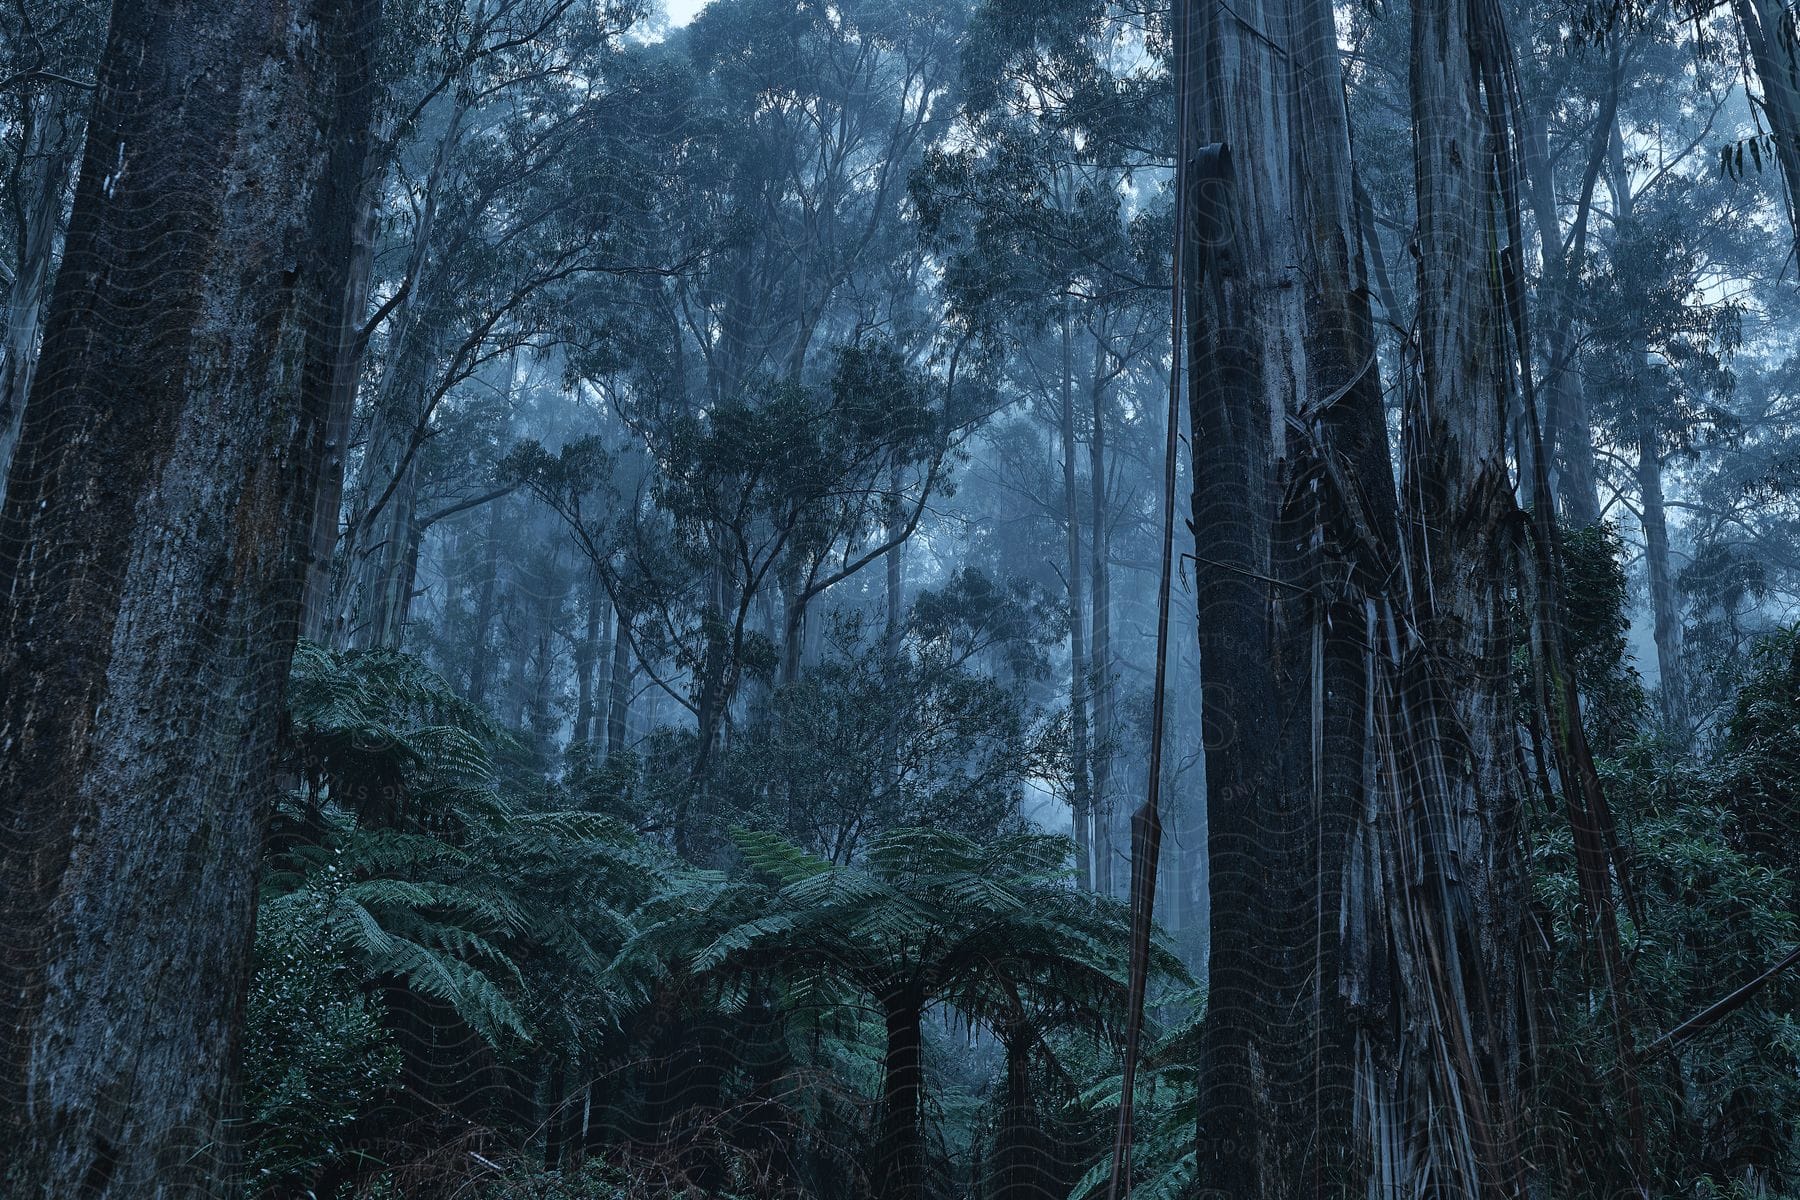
{"x":1461,"y":852}
{"x":1295,"y":530}
{"x":1243,"y":335}
{"x":152,"y":553}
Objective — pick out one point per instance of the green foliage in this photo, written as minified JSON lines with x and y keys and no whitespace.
{"x":1612,"y":695}
{"x":1165,"y":1112}
{"x":315,"y":1052}
{"x":399,"y":869}
{"x":868,"y":741}
{"x":409,"y":883}
{"x":1716,"y":885}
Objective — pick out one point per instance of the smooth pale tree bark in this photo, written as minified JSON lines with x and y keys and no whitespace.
{"x":1081,"y":800}
{"x":1665,"y":608}
{"x":618,"y":703}
{"x":481,"y":663}
{"x":610,"y":635}
{"x":151,"y":554}
{"x":375,"y":587}
{"x":49,"y":158}
{"x":894,"y":523}
{"x":1653,"y":516}
{"x":1100,"y":670}
{"x":587,"y":653}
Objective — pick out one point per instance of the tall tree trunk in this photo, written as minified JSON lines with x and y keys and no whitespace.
{"x":377,"y":592}
{"x":1571,"y":432}
{"x":1100,"y":584}
{"x":342,"y":385}
{"x":1295,"y":530}
{"x":49,"y":156}
{"x":1281,"y":384}
{"x":1461,"y":510}
{"x":893,"y":522}
{"x":152,"y":552}
{"x":1080,"y":797}
{"x":618,"y":703}
{"x":481,"y":661}
{"x":793,"y":623}
{"x":372,"y":602}
{"x":1665,"y":609}
{"x":586,"y":654}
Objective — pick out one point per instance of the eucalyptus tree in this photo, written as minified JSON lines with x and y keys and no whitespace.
{"x":801,"y":126}
{"x":689,"y":547}
{"x":882,"y":734}
{"x":505,"y":202}
{"x":152,"y":549}
{"x":1033,"y":210}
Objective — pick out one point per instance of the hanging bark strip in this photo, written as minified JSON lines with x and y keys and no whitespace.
{"x":1146,"y":822}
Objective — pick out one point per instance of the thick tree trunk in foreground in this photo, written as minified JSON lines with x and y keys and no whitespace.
{"x":1291,"y":487}
{"x":151,"y":554}
{"x":1461,"y":848}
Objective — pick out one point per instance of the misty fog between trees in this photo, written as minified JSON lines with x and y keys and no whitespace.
{"x":910,"y":599}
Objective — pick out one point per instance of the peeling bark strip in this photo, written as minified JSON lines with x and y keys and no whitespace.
{"x":151,"y":559}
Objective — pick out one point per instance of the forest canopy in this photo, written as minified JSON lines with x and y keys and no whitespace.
{"x":910,"y":599}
